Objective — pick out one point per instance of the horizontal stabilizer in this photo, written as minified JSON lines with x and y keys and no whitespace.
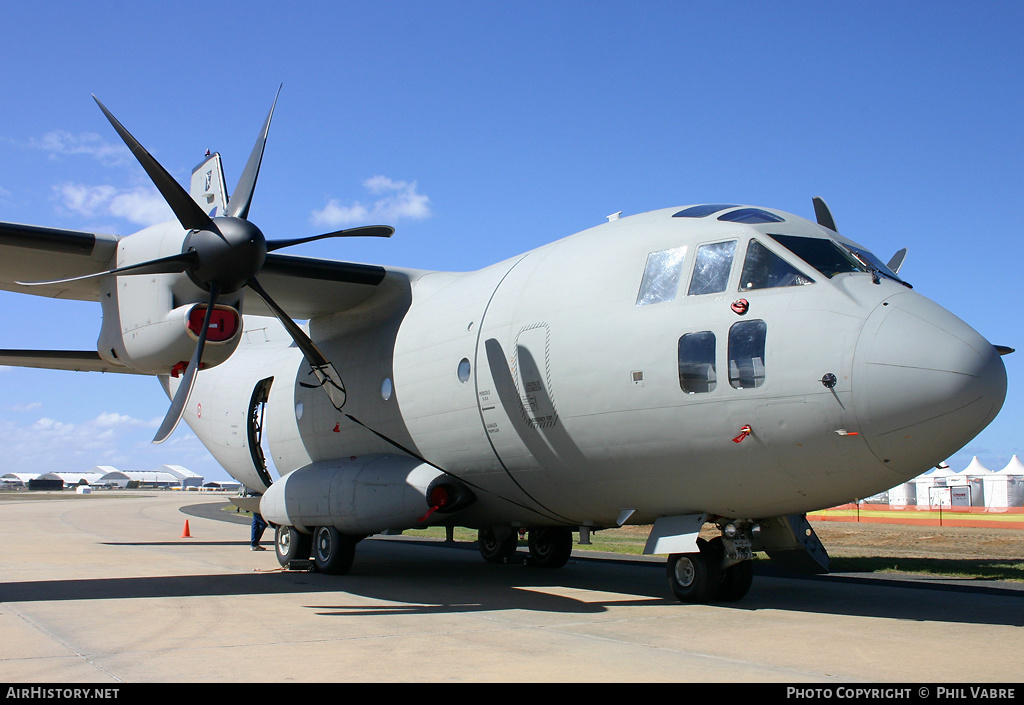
{"x":73,"y":360}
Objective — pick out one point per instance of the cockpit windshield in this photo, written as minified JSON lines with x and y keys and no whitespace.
{"x":874,"y":263}
{"x":831,"y":258}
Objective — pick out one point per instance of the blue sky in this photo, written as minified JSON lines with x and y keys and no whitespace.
{"x":483,"y":129}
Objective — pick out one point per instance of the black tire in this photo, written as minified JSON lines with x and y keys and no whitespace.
{"x":495,"y":550}
{"x":333,"y":551}
{"x":695,"y":577}
{"x":291,"y":545}
{"x":550,"y":546}
{"x":736,"y":581}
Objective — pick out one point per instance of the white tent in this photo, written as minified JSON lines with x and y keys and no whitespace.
{"x":972,"y":479}
{"x":1005,"y":488}
{"x":927,"y":483}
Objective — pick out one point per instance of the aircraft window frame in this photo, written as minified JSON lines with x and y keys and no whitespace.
{"x":712,"y":267}
{"x":747,"y":341}
{"x":697,"y":362}
{"x":763,"y":268}
{"x":662,"y":273}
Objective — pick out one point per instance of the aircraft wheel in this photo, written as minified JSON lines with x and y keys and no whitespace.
{"x":333,"y":551}
{"x":550,"y":546}
{"x":291,"y":544}
{"x":736,"y":581}
{"x":695,"y":577}
{"x":493,"y":549}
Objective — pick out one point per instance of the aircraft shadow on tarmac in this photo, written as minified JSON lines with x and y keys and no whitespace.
{"x":429,"y":577}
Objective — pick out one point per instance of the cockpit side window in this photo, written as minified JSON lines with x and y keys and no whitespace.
{"x":746,"y":354}
{"x":661,"y":276}
{"x":763,"y":269}
{"x":711,"y":269}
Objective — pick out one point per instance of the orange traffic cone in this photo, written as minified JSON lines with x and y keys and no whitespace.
{"x":185,"y":534}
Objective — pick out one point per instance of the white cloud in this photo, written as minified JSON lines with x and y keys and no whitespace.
{"x":397,"y":200}
{"x":22,"y":408}
{"x":51,"y":444}
{"x":142,"y":205}
{"x":62,"y":142}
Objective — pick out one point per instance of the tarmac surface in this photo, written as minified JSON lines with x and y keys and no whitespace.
{"x":104,"y":590}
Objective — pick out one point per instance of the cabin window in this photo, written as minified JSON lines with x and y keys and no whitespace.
{"x":763,"y":269}
{"x":661,"y":276}
{"x":697,"y":362}
{"x":711,"y":269}
{"x":746,"y":354}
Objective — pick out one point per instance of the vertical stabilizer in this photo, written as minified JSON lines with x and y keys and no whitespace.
{"x":208,"y":186}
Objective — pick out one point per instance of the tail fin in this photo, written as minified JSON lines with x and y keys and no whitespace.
{"x":208,"y":186}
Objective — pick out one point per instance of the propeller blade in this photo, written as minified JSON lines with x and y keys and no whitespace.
{"x":164,"y":265}
{"x":241,"y":199}
{"x":186,"y":210}
{"x":326,"y":374}
{"x":364,"y":231}
{"x":897,"y":261}
{"x":823,"y":214}
{"x":188,"y":381}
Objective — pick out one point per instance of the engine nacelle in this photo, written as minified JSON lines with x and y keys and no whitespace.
{"x":363,"y":496}
{"x":143,"y":331}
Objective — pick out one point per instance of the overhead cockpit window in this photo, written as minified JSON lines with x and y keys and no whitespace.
{"x":824,"y":255}
{"x":697,"y":362}
{"x":750,"y":216}
{"x":711,"y":270}
{"x":746,"y":354}
{"x":763,"y":269}
{"x":702,"y":211}
{"x":661,"y":276}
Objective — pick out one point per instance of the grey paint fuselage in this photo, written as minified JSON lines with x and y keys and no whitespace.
{"x":543,"y":383}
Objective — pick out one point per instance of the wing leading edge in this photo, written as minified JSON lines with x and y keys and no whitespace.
{"x":73,"y":360}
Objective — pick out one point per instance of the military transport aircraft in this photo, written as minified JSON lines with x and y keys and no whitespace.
{"x":713,"y":370}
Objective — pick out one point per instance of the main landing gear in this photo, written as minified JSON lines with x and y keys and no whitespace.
{"x":712,"y":574}
{"x":550,"y":546}
{"x":332,"y":551}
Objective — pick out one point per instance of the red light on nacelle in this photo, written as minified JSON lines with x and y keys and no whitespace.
{"x":224,"y":323}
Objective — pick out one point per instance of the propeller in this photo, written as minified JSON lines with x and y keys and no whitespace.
{"x":222,"y":255}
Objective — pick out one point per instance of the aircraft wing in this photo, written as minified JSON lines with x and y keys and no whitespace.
{"x":305,"y":287}
{"x":308,"y":287}
{"x":33,"y":253}
{"x":74,"y":360}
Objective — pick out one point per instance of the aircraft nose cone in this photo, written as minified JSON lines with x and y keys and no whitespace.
{"x":926,"y":383}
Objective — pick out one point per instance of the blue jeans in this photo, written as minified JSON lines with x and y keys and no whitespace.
{"x":258,"y":527}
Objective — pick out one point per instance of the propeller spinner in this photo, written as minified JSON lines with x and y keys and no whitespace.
{"x":222,"y":255}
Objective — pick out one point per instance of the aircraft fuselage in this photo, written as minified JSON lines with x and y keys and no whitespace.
{"x":654,"y":363}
